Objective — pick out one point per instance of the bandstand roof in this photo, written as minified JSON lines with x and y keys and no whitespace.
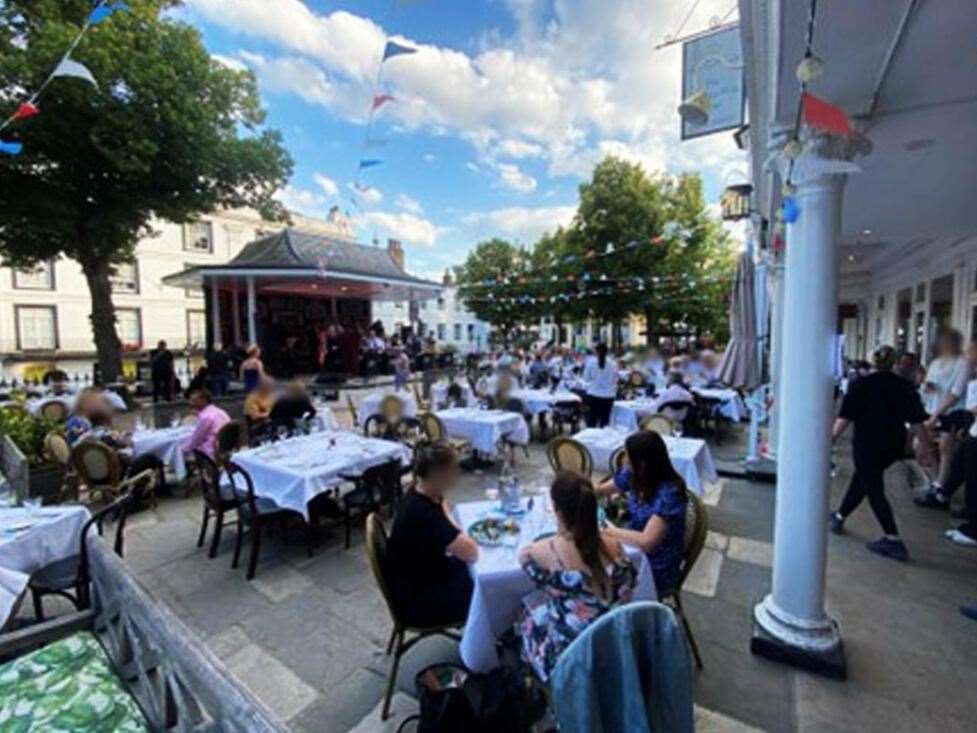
{"x":295,"y":262}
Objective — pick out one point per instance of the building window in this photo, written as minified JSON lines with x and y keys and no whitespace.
{"x":881,"y":303}
{"x":192,"y":292}
{"x":442,"y":331}
{"x":125,"y":279}
{"x":457,"y":332}
{"x":471,"y":332}
{"x":196,"y":327}
{"x":198,"y":237}
{"x":37,"y":327}
{"x":128,"y":324}
{"x":39,"y":277}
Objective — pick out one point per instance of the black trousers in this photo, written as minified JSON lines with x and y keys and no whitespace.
{"x":867,"y":481}
{"x":599,"y":414}
{"x":445,"y":605}
{"x":162,"y":388}
{"x":963,"y":470}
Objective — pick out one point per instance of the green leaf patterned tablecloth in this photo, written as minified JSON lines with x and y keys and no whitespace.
{"x":66,"y":687}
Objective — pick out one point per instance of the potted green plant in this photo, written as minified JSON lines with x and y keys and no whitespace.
{"x":24,"y":433}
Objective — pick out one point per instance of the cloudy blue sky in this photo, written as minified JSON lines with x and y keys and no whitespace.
{"x":497,"y":118}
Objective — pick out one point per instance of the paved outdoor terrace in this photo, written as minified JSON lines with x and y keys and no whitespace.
{"x":307,"y":635}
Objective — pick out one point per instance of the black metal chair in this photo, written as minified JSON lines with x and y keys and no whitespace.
{"x":374,"y":489}
{"x":215,"y":502}
{"x":70,"y":577}
{"x":257,"y":513}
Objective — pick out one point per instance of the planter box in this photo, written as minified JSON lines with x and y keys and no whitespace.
{"x":14,"y":466}
{"x":45,"y":482}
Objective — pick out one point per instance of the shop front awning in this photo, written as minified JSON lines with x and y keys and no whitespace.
{"x":291,"y":262}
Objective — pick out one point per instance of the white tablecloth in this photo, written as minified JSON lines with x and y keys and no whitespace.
{"x":542,"y":400}
{"x":164,"y":443}
{"x":731,"y":405}
{"x":500,"y":584}
{"x":691,"y":457}
{"x":485,"y":428}
{"x":294,"y":471}
{"x":370,"y":405}
{"x":54,"y":534}
{"x":439,"y":395}
{"x":628,"y":414}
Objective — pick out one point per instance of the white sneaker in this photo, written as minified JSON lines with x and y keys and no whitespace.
{"x":959,"y":538}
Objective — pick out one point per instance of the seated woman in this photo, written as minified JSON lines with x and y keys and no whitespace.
{"x":292,"y":406}
{"x":656,"y":503}
{"x":674,"y":401}
{"x":428,"y":552}
{"x":581,"y":572}
{"x":79,"y":423}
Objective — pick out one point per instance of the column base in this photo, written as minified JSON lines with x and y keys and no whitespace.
{"x":761,"y":469}
{"x":813,"y":647}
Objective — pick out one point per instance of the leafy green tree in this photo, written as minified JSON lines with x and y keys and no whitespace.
{"x":169,"y":134}
{"x":491,"y":279}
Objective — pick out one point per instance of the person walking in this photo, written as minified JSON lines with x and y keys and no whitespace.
{"x":163,"y":373}
{"x":600,"y":376}
{"x":880,"y":405}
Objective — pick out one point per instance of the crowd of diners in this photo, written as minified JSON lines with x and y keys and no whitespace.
{"x":898,"y":409}
{"x":580,"y":572}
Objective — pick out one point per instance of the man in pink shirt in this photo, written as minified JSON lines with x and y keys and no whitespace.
{"x":210,"y":419}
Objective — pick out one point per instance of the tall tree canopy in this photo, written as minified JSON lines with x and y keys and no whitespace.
{"x":169,"y":134}
{"x":638,"y":244}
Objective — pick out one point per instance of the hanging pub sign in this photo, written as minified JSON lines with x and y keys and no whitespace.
{"x":713,"y":89}
{"x":735,"y":202}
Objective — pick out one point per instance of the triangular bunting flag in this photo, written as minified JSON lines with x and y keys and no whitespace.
{"x":72,"y":68}
{"x":369,"y":163}
{"x":395,"y":49}
{"x":11,"y":148}
{"x":25,"y":110}
{"x":104,"y":10}
{"x":825,"y":116}
{"x":380,"y":99}
{"x":375,"y":143}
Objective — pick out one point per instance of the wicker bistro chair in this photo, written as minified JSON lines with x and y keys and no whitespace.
{"x":661,"y":424}
{"x":57,"y":450}
{"x":352,"y":410}
{"x":696,"y":528}
{"x":215,"y":502}
{"x":69,"y":577}
{"x":567,"y":454}
{"x":434,"y":431}
{"x":54,"y":410}
{"x":376,"y":426}
{"x":567,"y":416}
{"x":399,"y":644}
{"x":422,"y":404}
{"x":257,"y":513}
{"x":99,"y":469}
{"x":230,"y":439}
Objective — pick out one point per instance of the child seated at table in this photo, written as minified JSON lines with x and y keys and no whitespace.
{"x":656,"y":504}
{"x":581,"y":574}
{"x":428,"y":552}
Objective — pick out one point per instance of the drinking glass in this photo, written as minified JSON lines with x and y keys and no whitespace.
{"x":492,"y":494}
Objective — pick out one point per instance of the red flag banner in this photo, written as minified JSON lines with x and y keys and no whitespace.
{"x":825,"y":116}
{"x":25,"y":110}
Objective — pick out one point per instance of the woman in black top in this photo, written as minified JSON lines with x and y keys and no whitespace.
{"x":880,"y":405}
{"x":428,"y":553}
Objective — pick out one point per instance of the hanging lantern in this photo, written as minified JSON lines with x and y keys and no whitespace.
{"x":735,"y":202}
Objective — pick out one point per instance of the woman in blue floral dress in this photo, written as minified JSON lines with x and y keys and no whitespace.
{"x":656,"y":504}
{"x":580,"y":574}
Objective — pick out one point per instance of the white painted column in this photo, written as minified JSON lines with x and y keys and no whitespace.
{"x":236,"y":313}
{"x":215,"y":313}
{"x":252,"y":330}
{"x":793,"y":613}
{"x":776,"y":338}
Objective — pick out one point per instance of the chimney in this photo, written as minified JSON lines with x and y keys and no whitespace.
{"x":396,"y":252}
{"x":448,"y":281}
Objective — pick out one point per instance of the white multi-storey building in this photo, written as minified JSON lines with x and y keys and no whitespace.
{"x":446,"y":319}
{"x":44,"y":313}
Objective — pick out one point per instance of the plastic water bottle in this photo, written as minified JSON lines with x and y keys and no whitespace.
{"x":509,"y":489}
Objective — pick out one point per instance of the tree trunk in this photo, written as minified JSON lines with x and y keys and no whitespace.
{"x":108,"y":348}
{"x":650,"y":327}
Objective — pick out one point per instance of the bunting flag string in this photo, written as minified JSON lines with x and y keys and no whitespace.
{"x":367,"y":163}
{"x":66,"y":67}
{"x":380,"y":99}
{"x":395,"y":49}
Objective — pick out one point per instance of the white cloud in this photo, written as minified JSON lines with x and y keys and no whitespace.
{"x":328,"y":185}
{"x":405,"y":226}
{"x":473,"y":167}
{"x":302,"y":200}
{"x":430,"y":157}
{"x":368,"y":194}
{"x":512,"y":177}
{"x":407,"y":203}
{"x":568,"y":88}
{"x":525,"y":224}
{"x":229,"y":62}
